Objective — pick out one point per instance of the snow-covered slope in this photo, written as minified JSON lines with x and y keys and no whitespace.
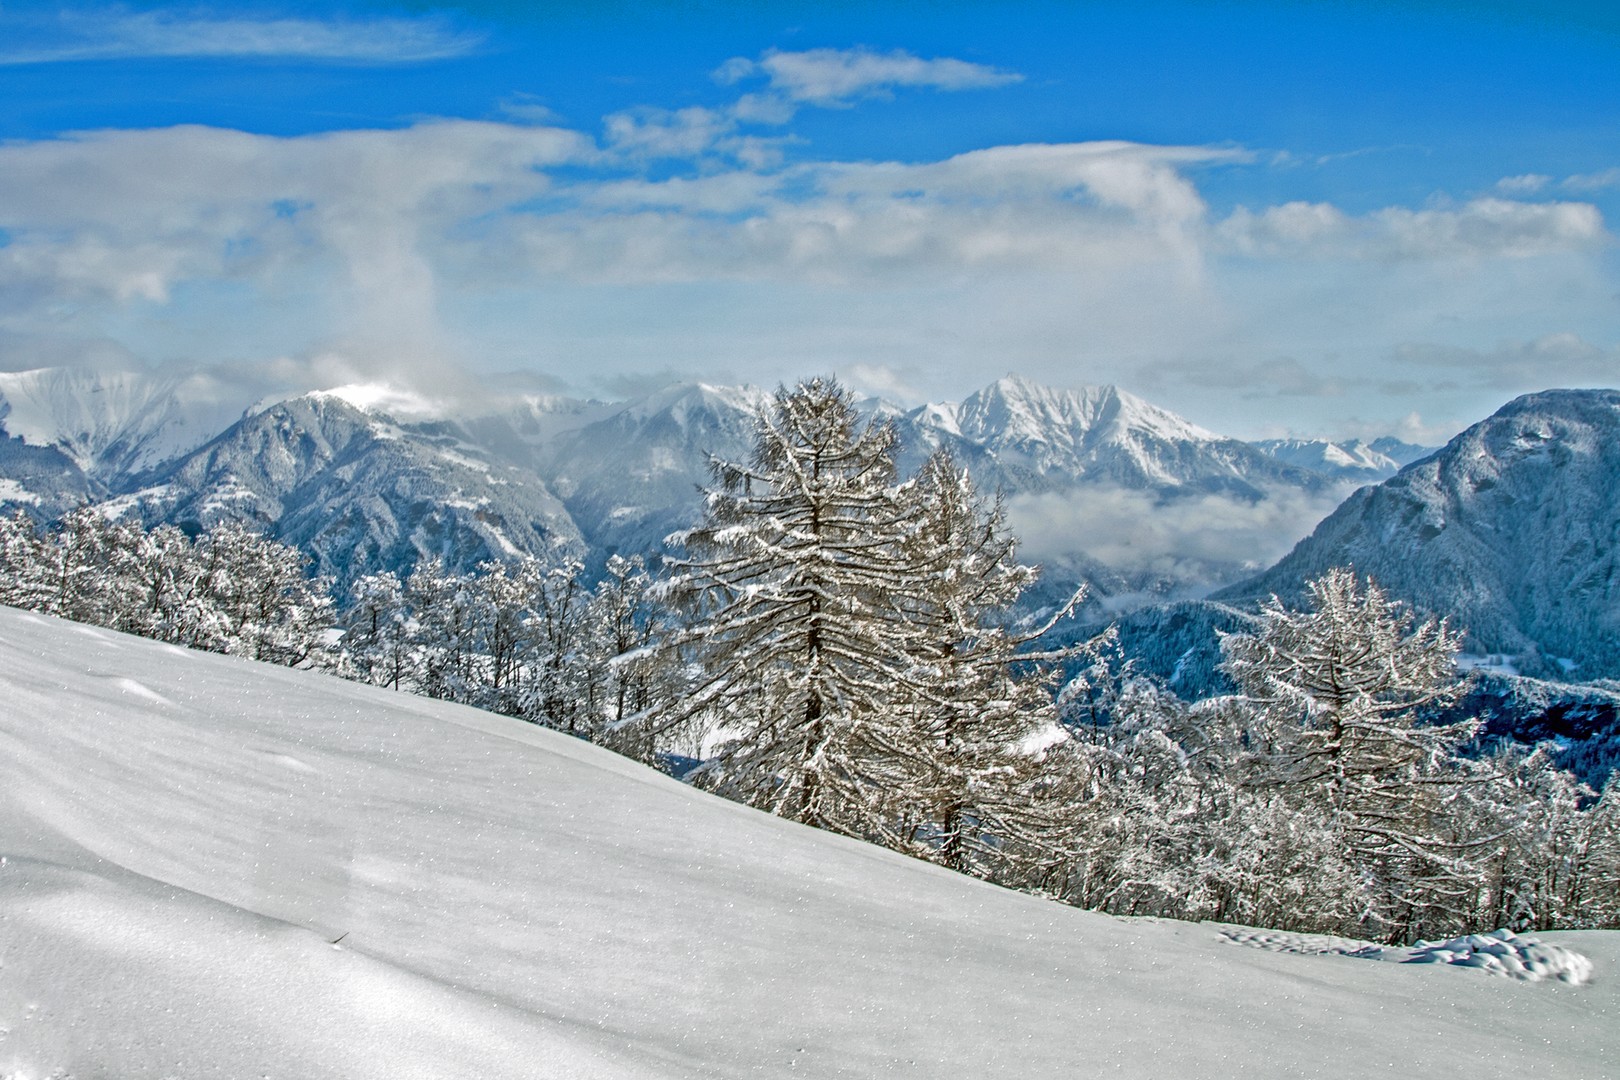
{"x":1512,"y":529}
{"x":213,"y":869}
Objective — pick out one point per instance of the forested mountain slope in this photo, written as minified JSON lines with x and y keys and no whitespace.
{"x":1512,"y":530}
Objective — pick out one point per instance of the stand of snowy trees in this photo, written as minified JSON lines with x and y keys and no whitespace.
{"x":837,"y":644}
{"x":529,"y":638}
{"x":1319,"y":798}
{"x":228,"y":590}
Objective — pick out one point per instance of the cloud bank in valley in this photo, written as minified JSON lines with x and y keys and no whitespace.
{"x":1185,"y":538}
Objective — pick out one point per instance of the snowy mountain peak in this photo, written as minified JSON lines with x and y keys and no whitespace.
{"x":1015,"y":409}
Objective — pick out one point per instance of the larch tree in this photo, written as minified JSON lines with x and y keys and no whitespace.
{"x":791,"y":590}
{"x":1336,"y":695}
{"x":977,"y":697}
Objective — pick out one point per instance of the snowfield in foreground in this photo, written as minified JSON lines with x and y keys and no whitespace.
{"x":185,"y":836}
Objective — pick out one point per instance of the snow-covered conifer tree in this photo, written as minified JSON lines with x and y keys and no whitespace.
{"x":976,"y":698}
{"x":1336,"y":694}
{"x":791,"y":590}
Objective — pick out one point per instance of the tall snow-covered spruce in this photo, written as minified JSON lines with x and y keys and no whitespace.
{"x":837,"y":623}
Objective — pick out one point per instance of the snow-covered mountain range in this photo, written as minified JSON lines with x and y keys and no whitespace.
{"x":1512,"y":530}
{"x":363,"y":486}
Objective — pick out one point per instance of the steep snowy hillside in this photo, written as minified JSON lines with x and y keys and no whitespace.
{"x":1512,"y":529}
{"x":360,"y":492}
{"x":211,"y":869}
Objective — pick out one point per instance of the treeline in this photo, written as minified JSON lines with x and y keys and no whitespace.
{"x":835,"y":643}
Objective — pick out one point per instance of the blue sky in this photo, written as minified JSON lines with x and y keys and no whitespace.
{"x":1337,"y":218}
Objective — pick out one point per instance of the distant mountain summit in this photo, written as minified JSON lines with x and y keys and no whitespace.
{"x":1042,"y":438}
{"x":1349,"y":460}
{"x":1512,"y":529}
{"x":114,"y":425}
{"x":361,"y":492}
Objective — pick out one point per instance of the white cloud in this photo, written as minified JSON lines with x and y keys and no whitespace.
{"x":1525,"y":184}
{"x":381,"y":250}
{"x":667,"y":133}
{"x":1086,"y":207}
{"x":1481,"y":228}
{"x":1184,"y":537}
{"x":1596,"y":181}
{"x":116,"y":33}
{"x":349,"y":222}
{"x":835,"y":77}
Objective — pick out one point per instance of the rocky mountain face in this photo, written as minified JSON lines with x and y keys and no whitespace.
{"x":1512,"y":529}
{"x":361,"y":492}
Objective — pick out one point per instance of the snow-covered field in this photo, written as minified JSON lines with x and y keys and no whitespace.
{"x":185,"y":837}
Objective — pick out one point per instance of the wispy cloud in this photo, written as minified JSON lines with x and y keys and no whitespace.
{"x":1596,"y":181}
{"x":836,"y":77}
{"x":1523,"y":184}
{"x":117,"y":33}
{"x":1480,"y":228}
